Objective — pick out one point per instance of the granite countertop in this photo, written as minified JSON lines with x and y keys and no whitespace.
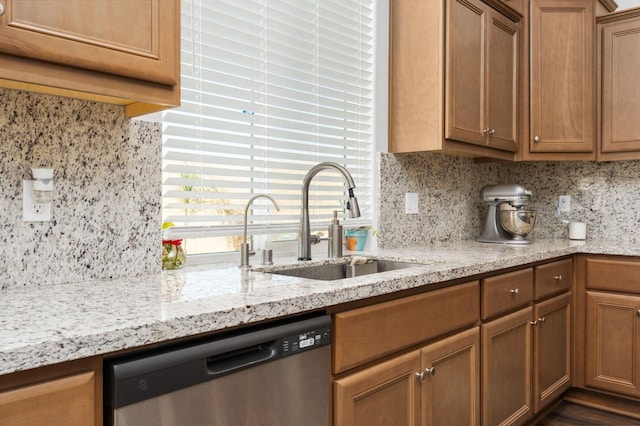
{"x":50,"y":324}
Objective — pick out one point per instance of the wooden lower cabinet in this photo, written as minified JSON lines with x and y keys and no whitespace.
{"x":451,"y":385}
{"x":60,"y":395}
{"x":612,"y":348}
{"x":552,"y":350}
{"x":526,"y":361}
{"x":506,"y":369}
{"x":435,"y":385}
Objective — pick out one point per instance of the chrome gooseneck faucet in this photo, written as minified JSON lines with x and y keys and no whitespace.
{"x":304,"y":248}
{"x":245,"y":252}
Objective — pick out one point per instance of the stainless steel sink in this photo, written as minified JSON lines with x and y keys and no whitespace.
{"x":337,"y":271}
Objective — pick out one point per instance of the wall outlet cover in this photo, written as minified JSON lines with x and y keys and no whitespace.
{"x":564,"y":204}
{"x":411,"y":203}
{"x":32,"y":211}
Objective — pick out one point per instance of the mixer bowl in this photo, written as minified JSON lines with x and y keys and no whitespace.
{"x":518,"y":223}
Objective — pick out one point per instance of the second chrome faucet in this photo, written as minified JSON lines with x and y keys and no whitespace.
{"x":245,"y":251}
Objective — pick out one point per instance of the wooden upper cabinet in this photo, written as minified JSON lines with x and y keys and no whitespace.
{"x":466,"y":115}
{"x":117,"y":36}
{"x":119,"y":51}
{"x":562,"y":78}
{"x":446,"y":60}
{"x":482,"y":58}
{"x":620,"y":86}
{"x":504,"y":39}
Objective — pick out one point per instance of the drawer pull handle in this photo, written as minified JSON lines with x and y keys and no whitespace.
{"x":514,"y":291}
{"x":558,"y":278}
{"x":430,"y":371}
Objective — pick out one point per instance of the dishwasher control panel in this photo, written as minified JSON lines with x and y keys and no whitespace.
{"x":307,"y":339}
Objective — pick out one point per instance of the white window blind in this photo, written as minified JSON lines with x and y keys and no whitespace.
{"x":269,"y":89}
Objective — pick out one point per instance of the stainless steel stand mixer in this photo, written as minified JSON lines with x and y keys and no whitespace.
{"x":509,"y":220}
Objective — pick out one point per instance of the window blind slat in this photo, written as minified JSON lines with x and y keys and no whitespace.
{"x":269,"y":89}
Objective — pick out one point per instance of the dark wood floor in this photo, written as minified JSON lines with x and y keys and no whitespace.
{"x":568,"y":413}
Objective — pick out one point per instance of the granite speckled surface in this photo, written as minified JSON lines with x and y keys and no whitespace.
{"x":448,"y":189}
{"x":604,"y":195}
{"x":50,"y":324}
{"x":107,"y":176}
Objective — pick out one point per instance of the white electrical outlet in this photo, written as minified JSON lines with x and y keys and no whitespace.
{"x":564,"y":204}
{"x":32,"y":211}
{"x":411,"y":203}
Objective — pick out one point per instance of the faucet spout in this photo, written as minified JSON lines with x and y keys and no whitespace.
{"x":245,"y":252}
{"x":304,"y":248}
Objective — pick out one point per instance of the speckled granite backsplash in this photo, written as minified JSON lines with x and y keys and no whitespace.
{"x":106,"y":212}
{"x":604,"y":195}
{"x":448,"y":188}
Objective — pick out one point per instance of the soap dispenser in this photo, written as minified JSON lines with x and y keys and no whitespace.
{"x":335,"y":235}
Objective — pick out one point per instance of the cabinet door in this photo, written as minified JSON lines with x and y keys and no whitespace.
{"x":385,"y":394}
{"x":613,"y":342}
{"x":502,"y":94}
{"x":552,"y":350}
{"x":506,"y":369}
{"x":562,"y":82}
{"x":465,"y":71}
{"x":130,"y":38}
{"x":621,"y":86}
{"x":59,"y":402}
{"x":451,"y":386}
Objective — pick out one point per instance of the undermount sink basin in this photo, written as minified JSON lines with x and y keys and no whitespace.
{"x":337,"y":271}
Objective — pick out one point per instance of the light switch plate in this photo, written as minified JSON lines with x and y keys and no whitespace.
{"x":411,"y":203}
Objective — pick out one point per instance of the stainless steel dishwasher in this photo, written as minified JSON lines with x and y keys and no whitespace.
{"x":275,"y":376}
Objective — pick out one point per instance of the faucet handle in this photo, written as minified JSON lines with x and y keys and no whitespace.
{"x":315,"y":239}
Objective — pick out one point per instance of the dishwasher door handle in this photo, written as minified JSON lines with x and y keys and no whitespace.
{"x":241,"y":358}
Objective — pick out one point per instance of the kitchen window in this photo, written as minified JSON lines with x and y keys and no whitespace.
{"x":269,"y":89}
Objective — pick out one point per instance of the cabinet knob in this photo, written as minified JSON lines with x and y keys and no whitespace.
{"x":420,"y":375}
{"x":514,"y":291}
{"x":492,"y":131}
{"x":486,"y":131}
{"x":1,"y":9}
{"x":536,"y":139}
{"x":542,"y":320}
{"x":534,"y":323}
{"x":638,"y":312}
{"x":558,"y":278}
{"x":430,"y":371}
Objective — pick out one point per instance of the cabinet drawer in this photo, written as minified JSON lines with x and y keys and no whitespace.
{"x":365,"y":334}
{"x":615,"y":275}
{"x":506,"y":292}
{"x":553,"y":278}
